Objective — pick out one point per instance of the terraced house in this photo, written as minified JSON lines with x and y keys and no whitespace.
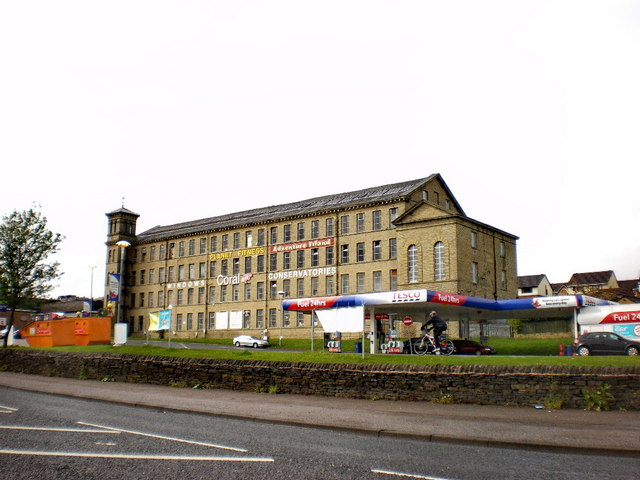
{"x":229,"y":274}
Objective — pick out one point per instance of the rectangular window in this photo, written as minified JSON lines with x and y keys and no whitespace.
{"x":360,"y":252}
{"x":224,"y":267}
{"x":501,"y":249}
{"x":360,"y":226}
{"x":179,"y":322}
{"x":202,"y":270}
{"x":260,"y":291}
{"x":248,"y":239}
{"x":192,"y":247}
{"x":247,"y":264}
{"x":261,"y":237}
{"x":273,"y":289}
{"x":300,"y":231}
{"x":315,"y":257}
{"x":247,"y":291}
{"x":344,"y":224}
{"x":330,"y":226}
{"x":180,"y":298}
{"x":344,"y":284}
{"x":376,"y":220}
{"x":344,"y":254}
{"x":213,"y":269}
{"x":190,"y":296}
{"x":181,"y":273}
{"x":189,"y":321}
{"x":203,"y":246}
{"x":376,"y":247}
{"x":273,"y":317}
{"x":360,"y":282}
{"x":300,"y":287}
{"x":236,"y":241}
{"x":235,"y":293}
{"x":315,"y":282}
{"x":200,"y":321}
{"x":300,"y":259}
{"x":142,"y":272}
{"x":287,"y":233}
{"x":273,"y":262}
{"x":260,"y":266}
{"x":152,"y":254}
{"x":315,"y":228}
{"x":225,"y":242}
{"x":213,"y":244}
{"x":474,"y":239}
{"x":246,"y":319}
{"x":274,"y":235}
{"x":393,"y":279}
{"x":329,"y":255}
{"x":201,"y":298}
{"x":377,"y":281}
{"x":181,"y":249}
{"x":163,"y":252}
{"x":393,"y":248}
{"x":192,"y":271}
{"x":286,"y":286}
{"x":223,"y":293}
{"x":260,"y":318}
{"x":152,"y":276}
{"x":286,"y":261}
{"x":236,"y":266}
{"x":503,"y":279}
{"x":171,"y":274}
{"x":161,"y":275}
{"x":161,"y":298}
{"x":393,"y":214}
{"x":212,"y":320}
{"x":474,"y":272}
{"x":330,"y":285}
{"x":212,"y":295}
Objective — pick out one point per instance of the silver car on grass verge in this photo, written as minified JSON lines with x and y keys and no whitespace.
{"x":249,"y":341}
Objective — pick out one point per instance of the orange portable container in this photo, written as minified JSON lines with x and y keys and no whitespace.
{"x":49,"y":333}
{"x":92,"y":331}
{"x":68,"y":331}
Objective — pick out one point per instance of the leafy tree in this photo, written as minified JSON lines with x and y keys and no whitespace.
{"x":25,"y":244}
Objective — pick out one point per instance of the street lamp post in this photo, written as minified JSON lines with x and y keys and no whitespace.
{"x":123,"y":244}
{"x":93,"y":267}
{"x":282,"y":293}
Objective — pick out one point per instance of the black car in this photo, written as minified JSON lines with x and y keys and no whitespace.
{"x":605,"y":343}
{"x":470,"y":347}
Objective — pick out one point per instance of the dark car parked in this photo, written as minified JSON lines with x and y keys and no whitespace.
{"x":470,"y":347}
{"x":605,"y":343}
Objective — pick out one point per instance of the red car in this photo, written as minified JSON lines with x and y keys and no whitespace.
{"x":469,"y":347}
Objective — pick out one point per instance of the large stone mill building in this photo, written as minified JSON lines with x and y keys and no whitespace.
{"x":229,"y":274}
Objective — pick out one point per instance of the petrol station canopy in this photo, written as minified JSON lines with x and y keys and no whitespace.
{"x":453,"y":307}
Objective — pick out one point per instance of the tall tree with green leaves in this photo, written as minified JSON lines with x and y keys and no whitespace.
{"x":25,"y":245}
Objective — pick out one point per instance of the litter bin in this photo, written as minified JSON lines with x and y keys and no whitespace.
{"x":358,"y":347}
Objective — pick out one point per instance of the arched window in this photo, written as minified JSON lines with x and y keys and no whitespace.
{"x":412,"y":264}
{"x":439,"y":272}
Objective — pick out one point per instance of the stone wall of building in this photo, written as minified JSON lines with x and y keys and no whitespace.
{"x":477,"y":384}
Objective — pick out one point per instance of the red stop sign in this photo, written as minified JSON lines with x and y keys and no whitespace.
{"x":407,"y":321}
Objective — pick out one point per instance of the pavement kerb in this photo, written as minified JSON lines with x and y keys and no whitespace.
{"x":98,"y":391}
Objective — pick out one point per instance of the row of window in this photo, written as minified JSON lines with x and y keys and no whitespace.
{"x":282,"y":261}
{"x":200,"y":322}
{"x":286,"y":233}
{"x":258,"y":290}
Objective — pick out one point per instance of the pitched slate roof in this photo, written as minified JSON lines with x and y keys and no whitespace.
{"x":316,"y":205}
{"x":530,"y":280}
{"x":591,"y":278}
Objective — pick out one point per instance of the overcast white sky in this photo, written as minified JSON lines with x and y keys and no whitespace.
{"x":189,"y":109}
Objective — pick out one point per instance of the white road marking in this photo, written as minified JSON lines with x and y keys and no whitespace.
{"x":407,"y":475}
{"x":162,"y":437}
{"x":7,"y":410}
{"x":127,"y":456}
{"x":57,"y":429}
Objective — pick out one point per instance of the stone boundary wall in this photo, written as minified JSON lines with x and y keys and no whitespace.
{"x":476,"y":384}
